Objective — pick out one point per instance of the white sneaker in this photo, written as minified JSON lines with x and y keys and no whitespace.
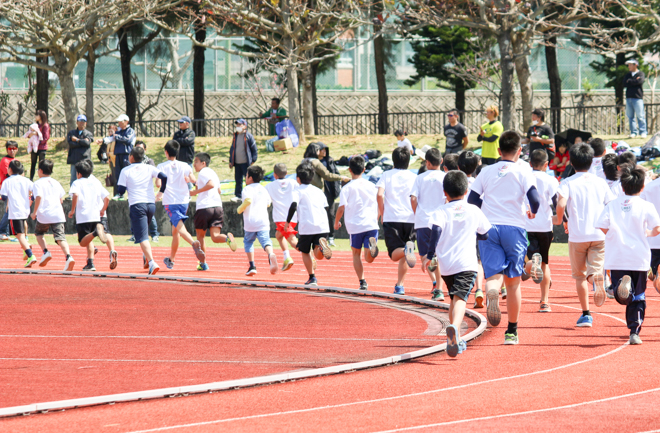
{"x":632,"y":136}
{"x":643,"y":135}
{"x":70,"y":263}
{"x":235,"y":200}
{"x":272,"y":259}
{"x":45,"y":259}
{"x":4,"y":237}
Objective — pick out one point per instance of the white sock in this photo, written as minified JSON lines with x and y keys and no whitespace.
{"x":286,"y":254}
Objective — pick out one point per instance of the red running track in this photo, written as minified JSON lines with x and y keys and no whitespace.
{"x":560,"y":377}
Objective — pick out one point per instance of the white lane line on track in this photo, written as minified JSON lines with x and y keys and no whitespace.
{"x":398,"y":397}
{"x":203,"y":361}
{"x":216,"y":338}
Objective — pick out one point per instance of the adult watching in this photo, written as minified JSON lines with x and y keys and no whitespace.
{"x":456,"y":134}
{"x":42,"y":120}
{"x":185,"y":136}
{"x":490,"y":136}
{"x":321,"y":173}
{"x":124,"y":139}
{"x":540,"y":135}
{"x":242,"y":154}
{"x":274,"y":115}
{"x":79,"y":141}
{"x":633,"y":82}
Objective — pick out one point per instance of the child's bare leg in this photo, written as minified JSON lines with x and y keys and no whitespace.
{"x":545,"y":284}
{"x":480,"y":277}
{"x":307,"y":261}
{"x":268,"y":249}
{"x":63,"y":245}
{"x":22,"y":241}
{"x":86,"y":240}
{"x":216,"y":237}
{"x":200,"y":237}
{"x":318,"y":253}
{"x":293,"y":241}
{"x":513,"y":298}
{"x":110,"y":243}
{"x":250,"y":256}
{"x":357,"y":263}
{"x":90,"y":250}
{"x":175,"y":243}
{"x":367,"y":256}
{"x":582,"y":288}
{"x":402,"y":271}
{"x":42,"y":242}
{"x":283,"y":243}
{"x":183,"y":233}
{"x":146,"y":250}
{"x":457,"y":311}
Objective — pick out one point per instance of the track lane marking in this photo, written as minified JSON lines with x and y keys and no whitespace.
{"x":216,"y":338}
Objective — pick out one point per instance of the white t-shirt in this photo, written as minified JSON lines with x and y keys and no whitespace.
{"x":360,"y":206}
{"x":17,"y":189}
{"x":615,"y":187}
{"x":312,"y":217}
{"x":460,"y":222}
{"x":626,"y":244}
{"x":397,"y":185}
{"x":405,"y":143}
{"x":176,"y":191}
{"x":651,"y":194}
{"x":210,"y":198}
{"x":51,"y":192}
{"x":90,"y":194}
{"x":281,"y":194}
{"x":586,"y":195}
{"x":430,"y":196}
{"x":597,"y":167}
{"x":504,"y":187}
{"x":255,"y":217}
{"x":547,"y":187}
{"x":138,"y":180}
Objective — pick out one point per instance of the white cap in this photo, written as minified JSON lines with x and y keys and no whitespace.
{"x":632,"y":61}
{"x":123,"y":118}
{"x":422,"y":152}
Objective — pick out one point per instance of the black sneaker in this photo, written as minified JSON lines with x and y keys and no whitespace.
{"x":251,"y":271}
{"x":364,"y":285}
{"x":312,"y":282}
{"x":89,"y":267}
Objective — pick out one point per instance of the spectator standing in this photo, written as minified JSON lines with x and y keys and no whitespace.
{"x":12,"y":149}
{"x":185,"y":136}
{"x":633,"y":82}
{"x":42,"y":120}
{"x":540,"y":135}
{"x":456,"y":134}
{"x":80,"y":141}
{"x":490,"y":136}
{"x":274,"y":115}
{"x":242,"y":154}
{"x":124,"y":140}
{"x":331,"y":189}
{"x":320,"y":172}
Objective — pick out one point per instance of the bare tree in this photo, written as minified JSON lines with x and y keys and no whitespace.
{"x":150,"y":103}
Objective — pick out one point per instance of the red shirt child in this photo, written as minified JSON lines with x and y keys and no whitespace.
{"x":12,"y":148}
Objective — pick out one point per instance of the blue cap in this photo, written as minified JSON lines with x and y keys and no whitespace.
{"x":242,"y":121}
{"x":184,"y":119}
{"x":81,"y":117}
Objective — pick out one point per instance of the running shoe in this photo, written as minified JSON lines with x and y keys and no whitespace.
{"x":30,"y":261}
{"x":599,"y":294}
{"x":169,"y":264}
{"x":399,"y":290}
{"x":364,"y":285}
{"x":231,"y":242}
{"x":145,"y":264}
{"x":609,"y":292}
{"x":503,"y":292}
{"x":634,"y":339}
{"x":331,"y":241}
{"x":585,"y":321}
{"x":510,"y":339}
{"x":462,"y":346}
{"x":545,"y":308}
{"x":493,"y":312}
{"x":199,"y":253}
{"x":536,"y":272}
{"x":272,"y":260}
{"x":373,"y":247}
{"x":202,"y":266}
{"x":624,"y":288}
{"x":45,"y":259}
{"x":13,"y":239}
{"x":153,"y":269}
{"x":325,"y":248}
{"x":25,"y":254}
{"x":409,"y":252}
{"x":433,"y":264}
{"x":4,"y":237}
{"x":155,"y":239}
{"x":70,"y":263}
{"x":100,"y":232}
{"x":437,"y":295}
{"x":113,"y":259}
{"x":479,"y":299}
{"x":312,"y":282}
{"x":288,"y":263}
{"x":452,"y":341}
{"x":251,"y":271}
{"x":89,"y":268}
{"x":131,"y":239}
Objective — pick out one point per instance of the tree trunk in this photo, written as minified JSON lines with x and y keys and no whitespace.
{"x":315,"y":109}
{"x":69,"y":98}
{"x":460,"y":99}
{"x":506,"y":90}
{"x":292,"y":92}
{"x":524,"y":79}
{"x":89,"y":89}
{"x":198,"y":82}
{"x":125,"y":60}
{"x":42,"y":85}
{"x":618,"y":94}
{"x":307,"y":101}
{"x":555,"y":83}
{"x":381,"y":81}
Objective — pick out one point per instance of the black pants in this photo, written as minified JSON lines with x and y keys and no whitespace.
{"x":240,"y":171}
{"x":330,"y":210}
{"x":637,"y":306}
{"x":41,"y":154}
{"x":121,"y":161}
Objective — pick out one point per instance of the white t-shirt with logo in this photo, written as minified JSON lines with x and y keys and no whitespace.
{"x":210,"y":198}
{"x":405,"y":143}
{"x":626,"y":245}
{"x":651,"y":194}
{"x":397,"y":185}
{"x":176,"y":191}
{"x":138,"y":180}
{"x":17,"y":189}
{"x":597,"y":167}
{"x":546,"y":186}
{"x":90,"y":194}
{"x":586,"y":195}
{"x":430,"y":196}
{"x":503,"y":187}
{"x":255,"y":217}
{"x":50,"y":208}
{"x":360,"y":206}
{"x":460,"y":222}
{"x":281,"y":194}
{"x":312,"y":217}
{"x":615,"y":187}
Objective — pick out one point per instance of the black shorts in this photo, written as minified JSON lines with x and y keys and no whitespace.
{"x":204,"y":219}
{"x":655,"y":261}
{"x":397,"y":234}
{"x":460,"y":284}
{"x":17,"y":227}
{"x":539,"y":242}
{"x":90,"y":228}
{"x":305,"y":242}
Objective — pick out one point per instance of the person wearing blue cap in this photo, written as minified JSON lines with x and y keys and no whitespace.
{"x":242,"y":154}
{"x":79,"y":141}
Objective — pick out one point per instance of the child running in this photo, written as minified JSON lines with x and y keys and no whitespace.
{"x":504,"y":186}
{"x":281,"y":194}
{"x":89,"y":202}
{"x":15,"y":190}
{"x":651,"y":193}
{"x":48,"y":195}
{"x":176,"y":199}
{"x":209,"y":214}
{"x":610,"y":164}
{"x":627,"y":221}
{"x":255,"y":219}
{"x":455,"y":226}
{"x":358,"y":206}
{"x":598,"y":145}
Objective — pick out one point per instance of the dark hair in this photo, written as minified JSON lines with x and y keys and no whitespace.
{"x":46,"y":167}
{"x":598,"y":145}
{"x":312,"y":151}
{"x":509,"y":142}
{"x":84,"y":168}
{"x":433,"y":157}
{"x":609,"y":163}
{"x":138,"y":154}
{"x":142,"y":143}
{"x":581,"y":156}
{"x":627,"y":157}
{"x":204,"y":157}
{"x":11,"y":143}
{"x":453,"y":111}
{"x":356,"y":165}
{"x":478,"y":170}
{"x":632,"y":179}
{"x":16,"y":166}
{"x":539,"y":113}
{"x":538,"y":158}
{"x":172,"y":148}
{"x":401,"y":158}
{"x":305,"y":172}
{"x":276,"y":100}
{"x":451,"y":162}
{"x":43,"y":116}
{"x":280,"y":169}
{"x":256,"y":173}
{"x":455,"y":183}
{"x":422,"y":168}
{"x":400,"y":132}
{"x":468,"y":162}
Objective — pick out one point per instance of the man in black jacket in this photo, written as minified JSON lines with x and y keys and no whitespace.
{"x":80,"y":141}
{"x":185,"y":136}
{"x":633,"y":82}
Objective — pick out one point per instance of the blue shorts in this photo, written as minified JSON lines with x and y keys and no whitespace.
{"x":250,"y":237}
{"x":504,"y":251}
{"x":423,"y":239}
{"x":360,"y":240}
{"x":176,"y":212}
{"x":141,"y":214}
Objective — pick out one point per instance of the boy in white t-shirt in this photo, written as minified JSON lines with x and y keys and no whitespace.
{"x":504,"y":187}
{"x":584,"y":196}
{"x":396,"y":212}
{"x":310,"y":203}
{"x":176,"y":199}
{"x":255,"y":219}
{"x":627,"y":222}
{"x":209,"y":214}
{"x":358,"y":206}
{"x":48,"y":195}
{"x":454,"y":226}
{"x":16,"y":190}
{"x":89,"y":203}
{"x":426,"y":197}
{"x":403,"y":141}
{"x":539,"y":229}
{"x":610,"y":163}
{"x":598,"y":145}
{"x":281,"y":194}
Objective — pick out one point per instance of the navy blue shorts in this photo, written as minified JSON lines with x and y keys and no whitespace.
{"x":504,"y":251}
{"x":141,"y":214}
{"x":360,"y":240}
{"x":423,"y":239}
{"x":176,"y":212}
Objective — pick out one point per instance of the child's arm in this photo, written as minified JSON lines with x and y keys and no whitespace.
{"x":247,"y":202}
{"x":413,"y":203}
{"x":37,"y":202}
{"x":209,"y":186}
{"x":292,"y":211}
{"x":653,"y":233}
{"x":106,"y":202}
{"x":74,"y":203}
{"x":338,"y":215}
{"x":561,"y":208}
{"x":381,"y":203}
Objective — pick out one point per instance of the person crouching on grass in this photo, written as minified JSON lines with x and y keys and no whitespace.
{"x":16,"y":191}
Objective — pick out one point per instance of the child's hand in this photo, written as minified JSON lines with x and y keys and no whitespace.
{"x":159,"y":196}
{"x":33,"y":215}
{"x":71,"y":213}
{"x":566,"y":227}
{"x":530,"y":215}
{"x":337,"y":225}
